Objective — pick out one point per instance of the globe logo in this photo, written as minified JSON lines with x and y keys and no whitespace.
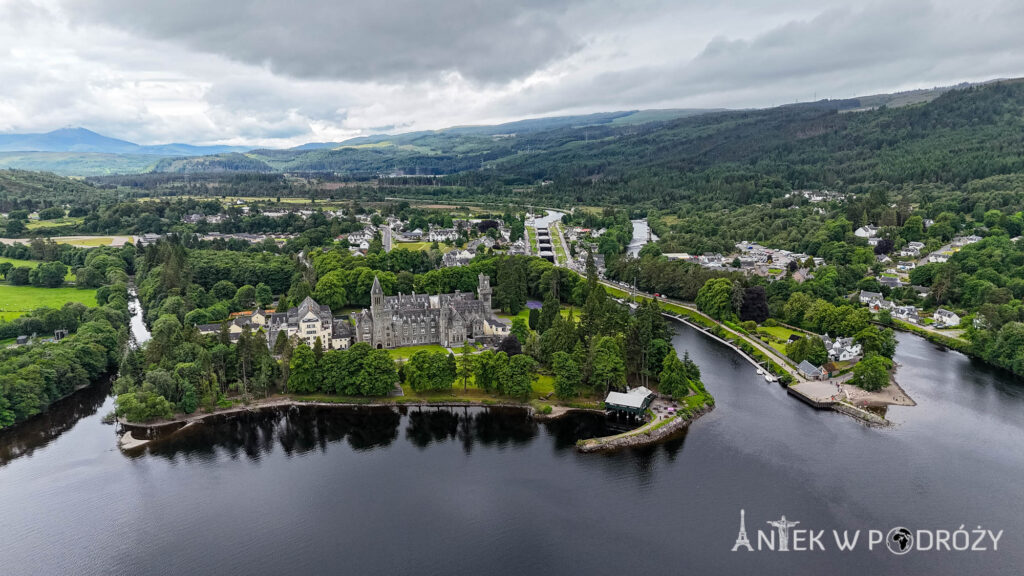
{"x":899,"y":540}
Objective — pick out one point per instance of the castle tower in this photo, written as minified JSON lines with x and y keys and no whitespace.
{"x":377,"y":313}
{"x":376,"y":296}
{"x":484,"y":289}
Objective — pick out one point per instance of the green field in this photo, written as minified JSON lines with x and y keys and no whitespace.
{"x":36,"y":224}
{"x":16,"y":300}
{"x":32,"y":264}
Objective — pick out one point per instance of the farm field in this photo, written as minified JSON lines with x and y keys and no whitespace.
{"x":81,"y":241}
{"x":17,"y":300}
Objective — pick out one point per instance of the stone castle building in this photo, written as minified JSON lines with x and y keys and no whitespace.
{"x":445,"y":319}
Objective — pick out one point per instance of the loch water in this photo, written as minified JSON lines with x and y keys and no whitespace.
{"x":491,"y":491}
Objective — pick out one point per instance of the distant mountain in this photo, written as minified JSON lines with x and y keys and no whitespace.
{"x":530,"y":149}
{"x":527,"y":126}
{"x":82,"y":140}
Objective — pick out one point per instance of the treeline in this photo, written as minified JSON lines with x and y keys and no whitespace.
{"x":32,"y":377}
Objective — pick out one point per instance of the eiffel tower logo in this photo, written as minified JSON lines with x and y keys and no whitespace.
{"x":741,"y":539}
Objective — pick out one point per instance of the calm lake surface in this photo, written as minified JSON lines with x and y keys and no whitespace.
{"x":382,"y":491}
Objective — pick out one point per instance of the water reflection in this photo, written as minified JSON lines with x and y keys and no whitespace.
{"x":302,"y":429}
{"x":61,"y":416}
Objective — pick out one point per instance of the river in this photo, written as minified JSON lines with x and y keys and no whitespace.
{"x":383,"y":491}
{"x":640,"y":231}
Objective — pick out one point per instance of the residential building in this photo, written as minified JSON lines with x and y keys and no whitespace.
{"x":946,"y":318}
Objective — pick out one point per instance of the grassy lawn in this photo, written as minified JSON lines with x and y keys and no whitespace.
{"x":6,"y":342}
{"x":32,"y":264}
{"x":408,"y":351}
{"x":17,"y":300}
{"x":37,"y":224}
{"x":532,"y":234}
{"x":422,"y":246}
{"x":16,"y":262}
{"x":778,"y":333}
{"x":544,"y":385}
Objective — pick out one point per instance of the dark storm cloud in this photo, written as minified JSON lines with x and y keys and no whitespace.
{"x":367,"y":40}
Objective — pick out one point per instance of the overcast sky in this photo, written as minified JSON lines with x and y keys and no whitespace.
{"x":258,"y":72}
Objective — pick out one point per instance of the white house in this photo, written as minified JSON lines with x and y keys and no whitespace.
{"x":945,"y":318}
{"x":867,"y":231}
{"x":908,"y":313}
{"x":869,"y":298}
{"x":442,"y":235}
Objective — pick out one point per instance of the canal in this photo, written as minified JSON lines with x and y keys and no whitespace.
{"x":428,"y":491}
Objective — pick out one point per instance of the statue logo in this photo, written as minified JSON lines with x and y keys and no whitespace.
{"x":899,"y":540}
{"x":783,"y":526}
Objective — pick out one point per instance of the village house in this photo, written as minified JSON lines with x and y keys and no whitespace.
{"x":907,"y":313}
{"x":442,"y":235}
{"x":841,"y":349}
{"x":889,"y":281}
{"x":485,"y":241}
{"x":457,"y":258}
{"x":869,"y":298}
{"x":866,"y":231}
{"x":811,"y":372}
{"x":945,"y":318}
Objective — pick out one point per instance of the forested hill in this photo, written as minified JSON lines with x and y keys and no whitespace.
{"x":945,"y":138}
{"x":746,"y":156}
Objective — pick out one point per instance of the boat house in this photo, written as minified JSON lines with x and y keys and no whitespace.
{"x":634,"y":401}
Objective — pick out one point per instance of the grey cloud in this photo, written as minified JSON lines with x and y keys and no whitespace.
{"x":362,"y":41}
{"x":219,"y":72}
{"x":839,"y":53}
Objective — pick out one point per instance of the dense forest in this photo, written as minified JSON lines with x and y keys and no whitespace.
{"x":33,"y":377}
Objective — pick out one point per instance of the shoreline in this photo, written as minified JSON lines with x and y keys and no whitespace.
{"x":132,"y":430}
{"x":136,"y":435}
